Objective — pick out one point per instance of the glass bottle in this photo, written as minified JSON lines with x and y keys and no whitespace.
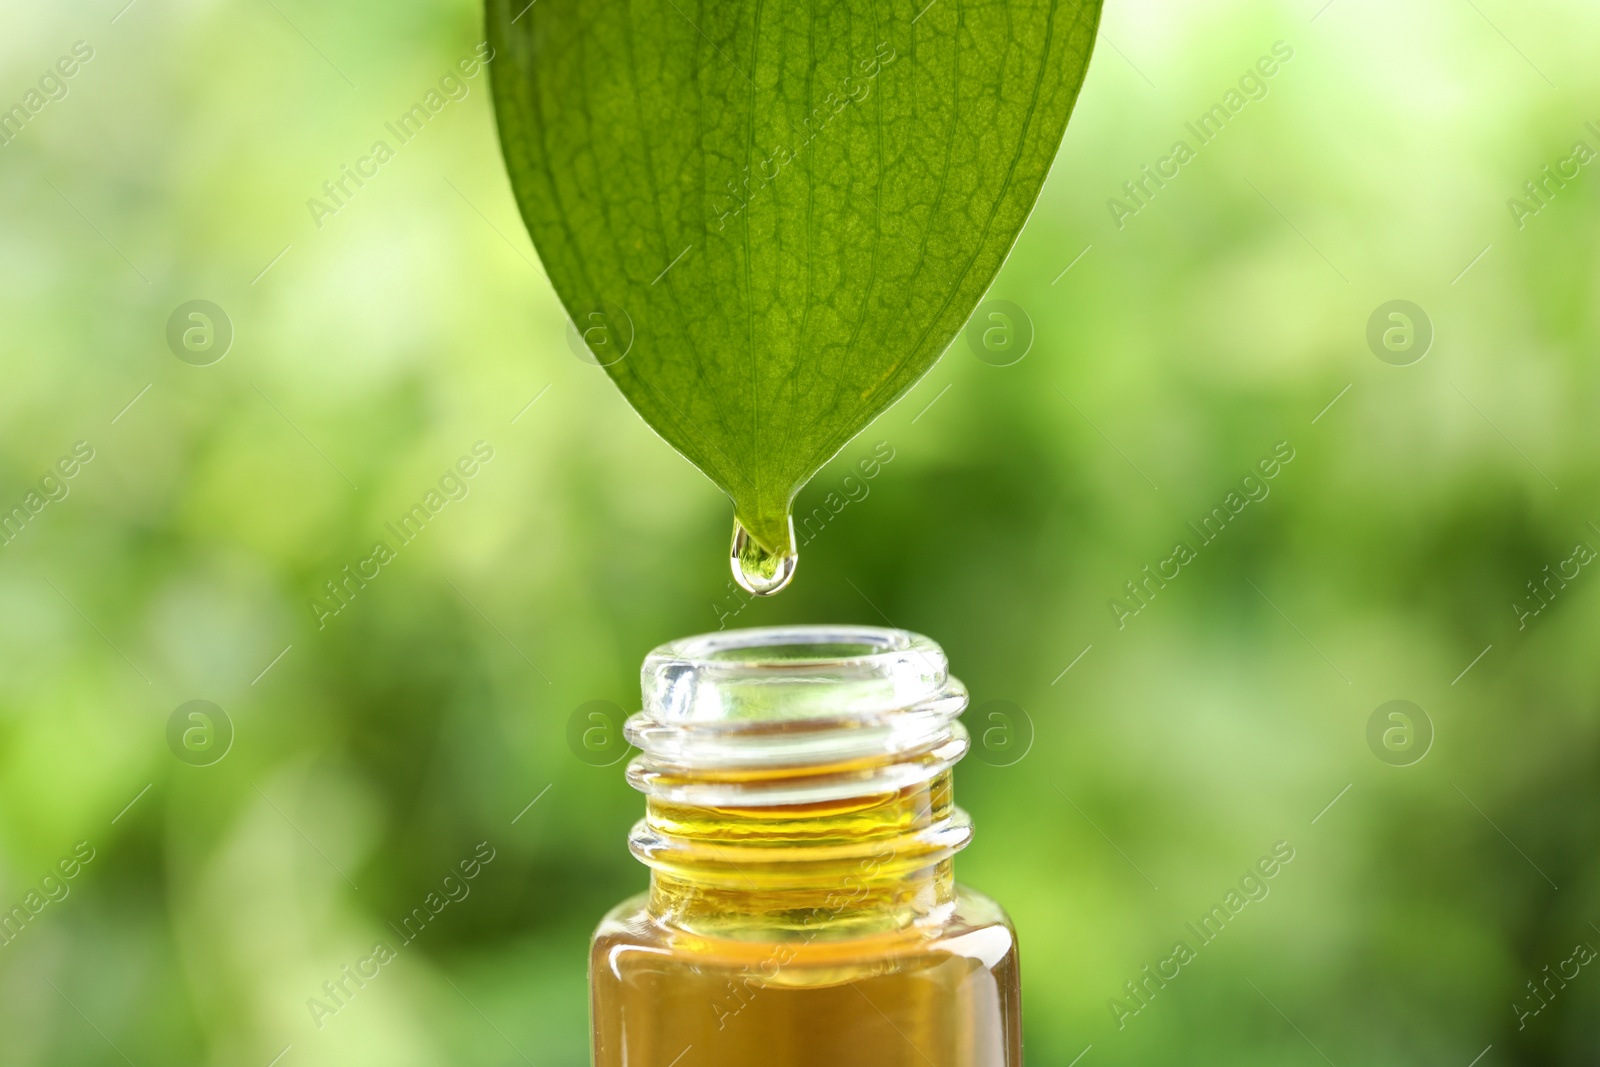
{"x":800,"y":832}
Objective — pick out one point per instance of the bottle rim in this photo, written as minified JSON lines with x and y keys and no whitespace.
{"x":794,"y":714}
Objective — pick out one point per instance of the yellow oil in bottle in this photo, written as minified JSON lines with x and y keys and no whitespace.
{"x":802,"y":907}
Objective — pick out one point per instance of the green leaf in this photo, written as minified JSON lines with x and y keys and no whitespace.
{"x":770,"y":218}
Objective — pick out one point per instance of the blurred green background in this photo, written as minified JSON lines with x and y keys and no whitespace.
{"x":372,"y":754}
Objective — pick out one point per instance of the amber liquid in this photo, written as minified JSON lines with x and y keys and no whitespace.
{"x":941,"y":996}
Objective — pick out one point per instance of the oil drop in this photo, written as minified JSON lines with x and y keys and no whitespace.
{"x":756,"y":569}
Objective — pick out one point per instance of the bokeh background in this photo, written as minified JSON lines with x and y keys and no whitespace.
{"x":1437,"y":870}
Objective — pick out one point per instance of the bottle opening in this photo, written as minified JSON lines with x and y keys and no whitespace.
{"x":817,"y":653}
{"x":794,"y":715}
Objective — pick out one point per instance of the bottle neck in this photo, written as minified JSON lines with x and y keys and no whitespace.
{"x":831,"y":869}
{"x":798,"y":781}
